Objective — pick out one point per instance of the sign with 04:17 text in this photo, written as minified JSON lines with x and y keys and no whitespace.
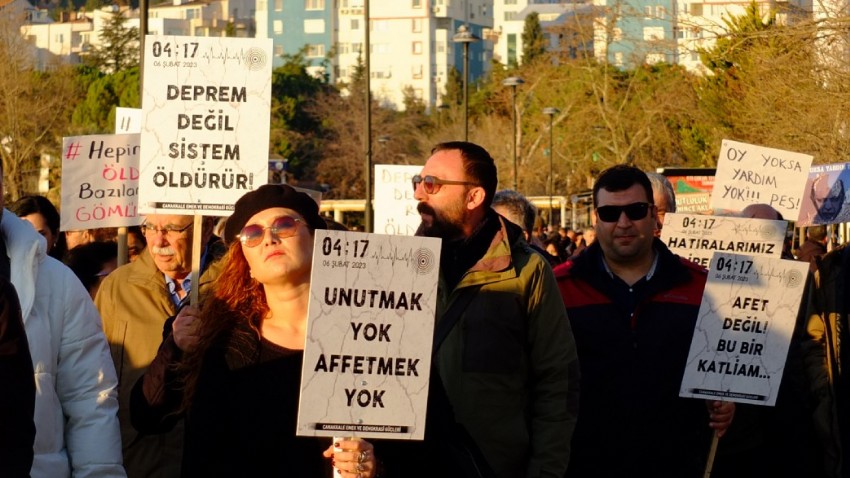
{"x":367,"y":357}
{"x":696,"y":237}
{"x":100,"y":181}
{"x":744,"y":327}
{"x":205,"y":131}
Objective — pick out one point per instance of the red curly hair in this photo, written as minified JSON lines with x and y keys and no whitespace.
{"x":235,"y":298}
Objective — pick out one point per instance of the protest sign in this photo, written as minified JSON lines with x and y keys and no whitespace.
{"x":696,"y":237}
{"x":370,"y":329}
{"x":128,"y":120}
{"x":395,"y":207}
{"x":825,"y":200}
{"x":692,"y":192}
{"x":100,"y":181}
{"x":743,"y":330}
{"x":205,"y":134}
{"x":749,"y":174}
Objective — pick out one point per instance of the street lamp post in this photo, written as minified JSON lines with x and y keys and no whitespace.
{"x":466,"y":37}
{"x":551,"y":112}
{"x":513,"y":82}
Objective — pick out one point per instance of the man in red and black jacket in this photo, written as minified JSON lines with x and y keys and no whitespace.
{"x":632,"y":305}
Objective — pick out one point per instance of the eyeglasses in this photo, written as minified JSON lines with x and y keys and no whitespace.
{"x":168,"y":231}
{"x":634,"y":211}
{"x":282,"y":227}
{"x":432,"y":184}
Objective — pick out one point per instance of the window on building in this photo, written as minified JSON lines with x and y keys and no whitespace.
{"x":696,"y":9}
{"x":314,"y":4}
{"x":278,"y":5}
{"x":510,"y":16}
{"x":661,"y":12}
{"x":316,"y":50}
{"x":277,"y":27}
{"x":417,"y":48}
{"x":653,"y":33}
{"x":314,"y":26}
{"x":278,"y":50}
{"x":416,"y":71}
{"x":512,"y":57}
{"x":379,"y":25}
{"x":417,"y":25}
{"x":356,"y":47}
{"x":440,"y":47}
{"x":618,"y":58}
{"x":416,"y":3}
{"x":190,"y":14}
{"x":510,"y":2}
{"x":381,"y":48}
{"x":355,"y":24}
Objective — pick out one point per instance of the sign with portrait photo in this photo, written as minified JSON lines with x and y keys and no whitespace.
{"x":825,"y":200}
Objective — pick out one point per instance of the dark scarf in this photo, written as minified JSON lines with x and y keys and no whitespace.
{"x":460,"y":255}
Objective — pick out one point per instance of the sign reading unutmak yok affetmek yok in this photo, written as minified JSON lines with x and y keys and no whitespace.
{"x":744,"y":328}
{"x":100,"y":181}
{"x":205,"y":123}
{"x":367,"y":355}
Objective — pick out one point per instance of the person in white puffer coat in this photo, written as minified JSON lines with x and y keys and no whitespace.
{"x":76,"y":404}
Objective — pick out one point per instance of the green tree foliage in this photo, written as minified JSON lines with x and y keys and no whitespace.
{"x":119,"y":46}
{"x":292,"y":126}
{"x":96,"y":113}
{"x":533,"y":39}
{"x":779,"y":85}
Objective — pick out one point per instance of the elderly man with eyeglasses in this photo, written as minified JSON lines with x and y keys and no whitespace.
{"x":504,"y":389}
{"x":136,"y":301}
{"x":633,"y":306}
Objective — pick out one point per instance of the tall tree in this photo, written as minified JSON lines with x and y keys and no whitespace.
{"x":119,"y":45}
{"x":96,"y":113}
{"x":533,"y":39}
{"x":35,"y":105}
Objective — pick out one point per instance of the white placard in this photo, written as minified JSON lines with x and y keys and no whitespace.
{"x":371,"y":326}
{"x":696,"y":237}
{"x":745,"y":323}
{"x":748,"y":174}
{"x":826,"y":200}
{"x":100,"y":181}
{"x":395,"y":206}
{"x":128,"y":120}
{"x":205,"y":128}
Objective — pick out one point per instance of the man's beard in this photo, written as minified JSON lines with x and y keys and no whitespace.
{"x":439,"y":225}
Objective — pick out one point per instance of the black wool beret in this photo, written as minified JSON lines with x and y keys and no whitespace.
{"x":269,"y":196}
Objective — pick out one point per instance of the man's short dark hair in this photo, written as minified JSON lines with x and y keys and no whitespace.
{"x":478,"y":165}
{"x":619,"y":178}
{"x":520,"y":210}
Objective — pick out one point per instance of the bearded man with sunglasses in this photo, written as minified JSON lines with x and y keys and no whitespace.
{"x":504,"y":355}
{"x":137,"y":302}
{"x":633,"y":305}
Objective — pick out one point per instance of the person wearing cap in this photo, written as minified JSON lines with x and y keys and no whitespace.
{"x":233,"y":364}
{"x":135,"y":302}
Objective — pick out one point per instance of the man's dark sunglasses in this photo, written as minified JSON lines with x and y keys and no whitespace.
{"x":634,"y":211}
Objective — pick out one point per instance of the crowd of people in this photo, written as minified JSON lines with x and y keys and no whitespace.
{"x":555,"y":355}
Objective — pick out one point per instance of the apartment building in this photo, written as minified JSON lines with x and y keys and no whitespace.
{"x":294,"y":25}
{"x":411,"y":45}
{"x":632,"y":32}
{"x":567,"y":26}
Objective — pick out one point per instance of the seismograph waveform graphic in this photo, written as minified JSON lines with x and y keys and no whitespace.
{"x":253,"y":58}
